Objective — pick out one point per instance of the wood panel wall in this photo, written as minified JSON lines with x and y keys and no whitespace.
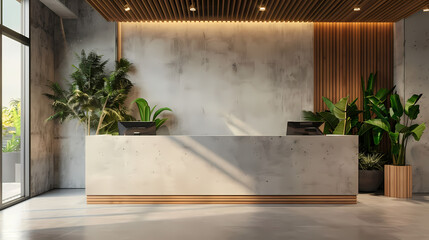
{"x":344,"y":52}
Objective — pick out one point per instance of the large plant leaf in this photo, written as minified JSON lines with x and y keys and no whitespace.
{"x":365,"y":128}
{"x":381,"y":123}
{"x":340,"y":108}
{"x":342,"y":128}
{"x":379,"y":112}
{"x":412,"y":101}
{"x":413,"y":111}
{"x":144,"y":109}
{"x":395,"y":148}
{"x":418,"y":131}
{"x":329,"y":119}
{"x":400,"y":128}
{"x":329,"y":104}
{"x":394,"y":137}
{"x":377,"y":134}
{"x":382,"y":94}
{"x":159,"y":111}
{"x":160,"y":122}
{"x":396,"y":105}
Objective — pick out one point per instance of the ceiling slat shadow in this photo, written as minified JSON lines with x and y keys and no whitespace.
{"x":248,"y":10}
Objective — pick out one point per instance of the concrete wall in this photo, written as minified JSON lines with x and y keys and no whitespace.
{"x":42,"y":71}
{"x":89,"y":32}
{"x":223,"y":78}
{"x":412,"y":77}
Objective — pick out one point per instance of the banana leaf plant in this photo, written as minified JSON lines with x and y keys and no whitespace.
{"x":402,"y":127}
{"x":146,"y":112}
{"x":341,"y":118}
{"x":370,"y":139}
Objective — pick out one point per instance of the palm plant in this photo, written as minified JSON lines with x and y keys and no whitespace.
{"x":93,"y":98}
{"x":146,"y":112}
{"x":398,"y":133}
{"x":112,"y":96}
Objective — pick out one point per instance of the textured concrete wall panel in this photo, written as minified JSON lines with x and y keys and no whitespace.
{"x":42,"y":71}
{"x":417,"y":81}
{"x":223,"y":78}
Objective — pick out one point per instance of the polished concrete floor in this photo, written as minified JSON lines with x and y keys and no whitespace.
{"x":63,"y":214}
{"x":11,"y":191}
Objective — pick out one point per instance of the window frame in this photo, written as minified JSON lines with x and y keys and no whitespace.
{"x":25,"y":94}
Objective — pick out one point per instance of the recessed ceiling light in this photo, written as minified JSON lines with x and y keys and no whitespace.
{"x":192,"y":8}
{"x":426,"y":9}
{"x":127,"y":7}
{"x":262,"y":8}
{"x":356,"y":9}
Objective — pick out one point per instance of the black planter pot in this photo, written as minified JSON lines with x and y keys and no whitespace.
{"x":370,"y":180}
{"x":137,"y":128}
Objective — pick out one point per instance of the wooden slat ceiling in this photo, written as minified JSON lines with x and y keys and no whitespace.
{"x":248,"y":10}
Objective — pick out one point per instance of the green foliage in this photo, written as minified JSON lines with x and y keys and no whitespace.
{"x":341,"y":118}
{"x":371,"y":161}
{"x":94,"y":98}
{"x":146,"y":112}
{"x":373,"y":106}
{"x":13,"y":144}
{"x":11,"y":126}
{"x":398,"y":133}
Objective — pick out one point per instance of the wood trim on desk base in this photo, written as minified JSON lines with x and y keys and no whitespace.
{"x":221,"y":199}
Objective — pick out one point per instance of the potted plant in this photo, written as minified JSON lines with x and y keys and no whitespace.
{"x":398,"y":177}
{"x":11,"y":128}
{"x":148,"y":122}
{"x":93,"y":97}
{"x":370,"y":171}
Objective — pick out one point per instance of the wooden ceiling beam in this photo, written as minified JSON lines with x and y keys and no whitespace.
{"x":248,"y":10}
{"x":135,"y":9}
{"x":155,"y":10}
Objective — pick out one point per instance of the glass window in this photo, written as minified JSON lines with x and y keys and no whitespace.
{"x":13,"y":73}
{"x":12,"y":16}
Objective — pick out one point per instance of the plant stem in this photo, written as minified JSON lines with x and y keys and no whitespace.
{"x":102,"y":115}
{"x":89,"y":125}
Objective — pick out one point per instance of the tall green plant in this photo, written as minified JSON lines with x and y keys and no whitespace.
{"x":371,"y":137}
{"x":94,"y":98}
{"x":146,"y":112}
{"x":398,"y":133}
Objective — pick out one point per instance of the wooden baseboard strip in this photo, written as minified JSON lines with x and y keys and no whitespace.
{"x":224,"y":199}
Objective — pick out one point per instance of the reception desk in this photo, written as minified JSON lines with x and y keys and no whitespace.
{"x":221,"y":169}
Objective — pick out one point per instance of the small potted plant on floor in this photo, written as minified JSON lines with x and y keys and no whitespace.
{"x":398,"y":123}
{"x":370,"y":171}
{"x":148,"y":123}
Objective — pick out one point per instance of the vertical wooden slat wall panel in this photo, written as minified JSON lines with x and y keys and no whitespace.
{"x":345,"y":52}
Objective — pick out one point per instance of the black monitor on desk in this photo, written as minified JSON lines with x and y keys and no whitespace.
{"x":304,"y":128}
{"x":137,"y":128}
